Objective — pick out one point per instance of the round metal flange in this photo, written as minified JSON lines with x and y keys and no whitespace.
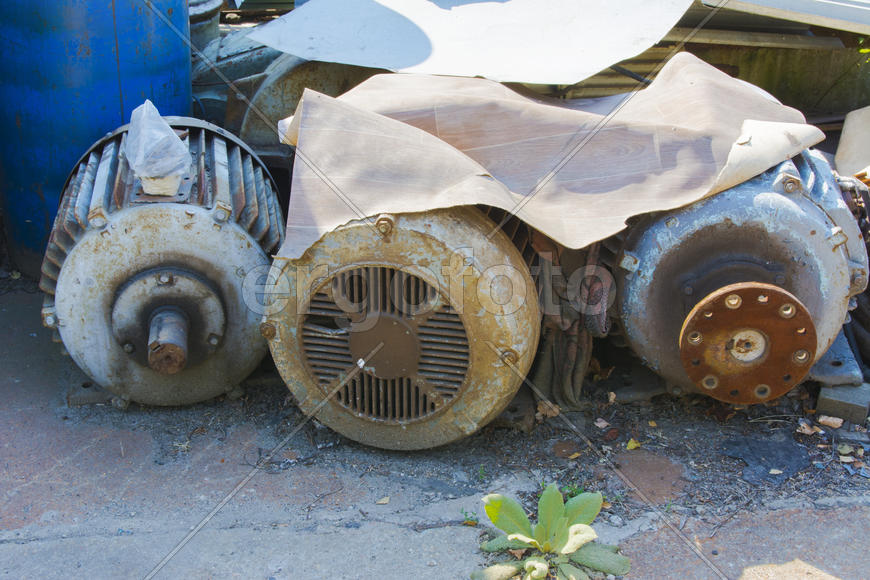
{"x":157,"y":246}
{"x":747,"y":343}
{"x":158,"y":288}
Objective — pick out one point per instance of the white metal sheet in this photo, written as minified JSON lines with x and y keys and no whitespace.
{"x":553,"y":42}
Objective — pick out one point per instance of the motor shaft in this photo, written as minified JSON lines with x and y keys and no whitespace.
{"x":167,"y":340}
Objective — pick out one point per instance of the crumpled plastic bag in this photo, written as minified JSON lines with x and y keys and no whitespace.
{"x":157,"y":156}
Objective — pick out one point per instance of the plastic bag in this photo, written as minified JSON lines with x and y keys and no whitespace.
{"x":155,"y":153}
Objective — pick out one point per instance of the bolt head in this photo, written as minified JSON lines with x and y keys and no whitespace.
{"x":164,"y":279}
{"x":50,"y":321}
{"x":129,"y":348}
{"x":509,"y":356}
{"x":267,"y":329}
{"x":214,"y":339}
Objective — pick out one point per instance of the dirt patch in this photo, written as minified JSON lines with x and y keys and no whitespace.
{"x":656,"y":476}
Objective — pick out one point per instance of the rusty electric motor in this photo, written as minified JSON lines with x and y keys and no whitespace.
{"x":408,"y":332}
{"x":145,"y":291}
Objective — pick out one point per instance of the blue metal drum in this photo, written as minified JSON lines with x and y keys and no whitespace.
{"x":71,"y":71}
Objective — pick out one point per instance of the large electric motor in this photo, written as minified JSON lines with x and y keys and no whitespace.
{"x":145,"y":291}
{"x":406,"y":331}
{"x":738,"y":295}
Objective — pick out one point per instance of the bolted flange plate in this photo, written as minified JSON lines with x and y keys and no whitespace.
{"x":748,"y":343}
{"x":146,"y":292}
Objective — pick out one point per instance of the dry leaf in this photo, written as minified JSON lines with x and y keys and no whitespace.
{"x":653,"y":424}
{"x":597,"y":373}
{"x":859,"y":452}
{"x":384,"y":500}
{"x":833,"y":422}
{"x":611,"y":397}
{"x":805,"y":429}
{"x":775,"y":472}
{"x":846,"y":459}
{"x":845,"y":449}
{"x":601,"y":423}
{"x":574,"y":456}
{"x":518,"y":554}
{"x":606,"y":505}
{"x":565,"y":449}
{"x":632,"y":444}
{"x":548,"y":409}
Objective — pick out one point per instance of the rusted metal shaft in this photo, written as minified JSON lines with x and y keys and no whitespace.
{"x":167,"y":341}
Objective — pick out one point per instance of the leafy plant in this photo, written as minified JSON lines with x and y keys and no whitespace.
{"x":561,"y":538}
{"x":572,"y":490}
{"x":469,"y":518}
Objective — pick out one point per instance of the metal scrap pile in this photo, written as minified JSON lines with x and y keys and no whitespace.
{"x":449,"y":239}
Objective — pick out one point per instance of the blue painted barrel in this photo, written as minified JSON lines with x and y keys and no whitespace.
{"x":70,"y":71}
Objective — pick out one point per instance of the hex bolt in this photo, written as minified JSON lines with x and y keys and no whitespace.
{"x":221,"y":215}
{"x":629,"y":262}
{"x":214,"y":339}
{"x":788,"y":183}
{"x":129,"y":348}
{"x":120,"y":403}
{"x":268,"y":330}
{"x":509,"y":357}
{"x":384,"y":225}
{"x":49,"y":321}
{"x":98,"y":222}
{"x":164,"y":278}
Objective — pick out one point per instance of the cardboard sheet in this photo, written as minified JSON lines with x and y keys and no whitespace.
{"x":853,"y":152}
{"x":576,"y":171}
{"x":553,"y":42}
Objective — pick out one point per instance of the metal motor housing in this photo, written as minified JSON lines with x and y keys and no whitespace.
{"x":145,"y":291}
{"x":405,"y":331}
{"x":786,"y":239}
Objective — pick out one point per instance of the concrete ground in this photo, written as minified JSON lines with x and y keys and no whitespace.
{"x":96,"y":492}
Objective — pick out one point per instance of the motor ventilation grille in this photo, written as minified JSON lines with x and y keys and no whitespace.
{"x":353,"y":300}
